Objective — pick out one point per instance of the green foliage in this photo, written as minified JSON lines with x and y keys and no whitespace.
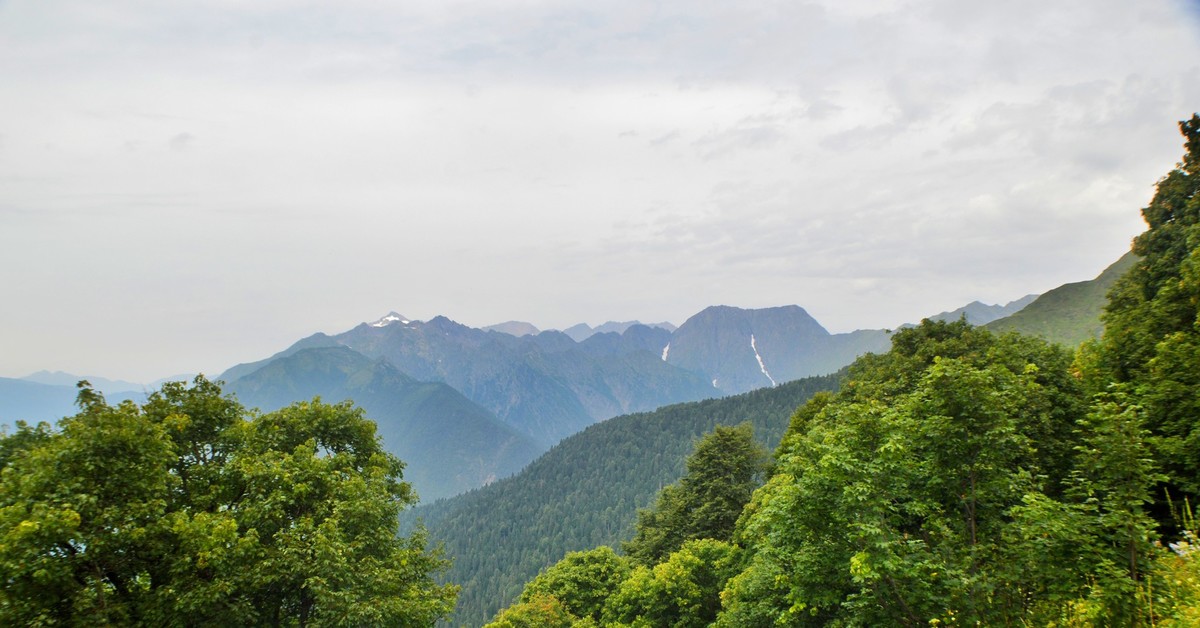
{"x":1116,"y":471}
{"x":585,"y":492}
{"x":1172,"y":591}
{"x":581,"y":581}
{"x":895,"y":505}
{"x":1152,"y":323}
{"x":681,"y":545}
{"x":538,"y":611}
{"x":722,"y":473}
{"x":182,"y":512}
{"x":572,"y":592}
{"x":682,"y":592}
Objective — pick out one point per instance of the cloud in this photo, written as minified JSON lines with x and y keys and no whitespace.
{"x":181,"y":141}
{"x":665,"y":138}
{"x":744,"y":136}
{"x":873,"y":161}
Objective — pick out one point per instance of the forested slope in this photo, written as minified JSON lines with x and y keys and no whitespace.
{"x":585,"y":491}
{"x":1070,"y":313}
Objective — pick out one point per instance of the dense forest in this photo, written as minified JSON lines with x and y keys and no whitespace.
{"x":585,"y":492}
{"x":962,"y":478}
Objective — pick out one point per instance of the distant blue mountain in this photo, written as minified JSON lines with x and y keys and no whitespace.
{"x":978,"y":313}
{"x":448,"y":443}
{"x":22,"y":400}
{"x":102,"y":384}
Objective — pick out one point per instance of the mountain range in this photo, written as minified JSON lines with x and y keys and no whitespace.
{"x":578,"y":333}
{"x":549,"y":386}
{"x":978,"y":313}
{"x":546,"y":386}
{"x":484,"y":402}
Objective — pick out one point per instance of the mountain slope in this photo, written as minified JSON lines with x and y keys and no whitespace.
{"x":448,"y":443}
{"x":585,"y":492}
{"x":740,"y":350}
{"x":549,"y":386}
{"x":1068,"y":314}
{"x":583,"y":331}
{"x":514,"y":328}
{"x":241,"y":370}
{"x":546,"y":386}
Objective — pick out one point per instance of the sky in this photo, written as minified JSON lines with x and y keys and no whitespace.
{"x":186,"y":186}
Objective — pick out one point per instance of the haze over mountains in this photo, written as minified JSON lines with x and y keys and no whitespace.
{"x":578,"y":333}
{"x":448,"y":443}
{"x":978,"y":313}
{"x":485,"y":402}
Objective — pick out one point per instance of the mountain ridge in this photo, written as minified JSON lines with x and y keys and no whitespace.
{"x":549,"y":385}
{"x":448,"y":443}
{"x":978,"y":313}
{"x":1070,"y":313}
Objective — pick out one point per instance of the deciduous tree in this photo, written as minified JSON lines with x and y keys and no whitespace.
{"x":186,"y":511}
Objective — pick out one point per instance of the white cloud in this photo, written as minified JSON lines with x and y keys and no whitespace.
{"x":205,"y":166}
{"x":181,"y":141}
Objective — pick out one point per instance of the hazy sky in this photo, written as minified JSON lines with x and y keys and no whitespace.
{"x":188,"y":185}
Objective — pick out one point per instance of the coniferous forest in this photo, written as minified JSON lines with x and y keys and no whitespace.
{"x":962,"y":478}
{"x":586,"y":491}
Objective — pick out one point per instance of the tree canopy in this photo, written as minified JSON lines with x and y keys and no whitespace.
{"x":189,"y":511}
{"x":722,"y":472}
{"x":904,"y":499}
{"x":1151,"y":343}
{"x":679,"y":559}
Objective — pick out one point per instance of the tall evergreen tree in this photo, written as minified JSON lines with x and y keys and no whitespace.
{"x":723,"y":471}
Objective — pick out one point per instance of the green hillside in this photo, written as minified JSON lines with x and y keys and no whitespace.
{"x":448,"y":443}
{"x":1068,"y":314}
{"x":585,"y":492}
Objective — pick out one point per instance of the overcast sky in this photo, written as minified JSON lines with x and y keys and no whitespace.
{"x":189,"y":185}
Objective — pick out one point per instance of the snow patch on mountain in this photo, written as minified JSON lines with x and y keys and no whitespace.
{"x":762,"y":367}
{"x":392,"y":317}
{"x":666,"y":350}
